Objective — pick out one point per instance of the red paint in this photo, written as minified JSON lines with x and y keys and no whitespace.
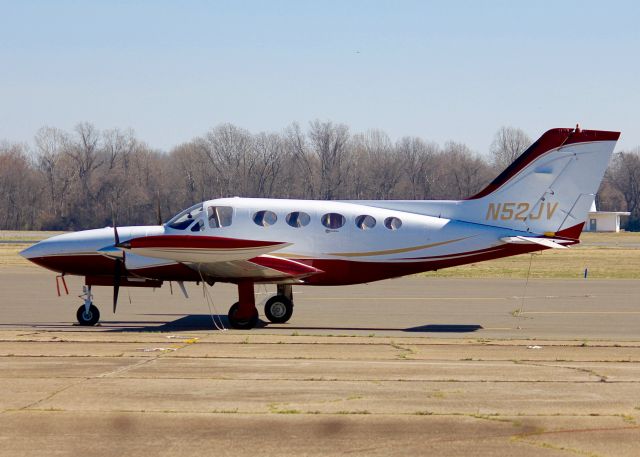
{"x":286,"y":266}
{"x":571,"y":233}
{"x":346,"y":272}
{"x":169,"y":272}
{"x":550,"y":140}
{"x":325,"y":271}
{"x":195,"y":242}
{"x":246,"y":301}
{"x":80,"y":265}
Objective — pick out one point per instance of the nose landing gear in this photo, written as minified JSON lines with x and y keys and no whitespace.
{"x":88,"y":314}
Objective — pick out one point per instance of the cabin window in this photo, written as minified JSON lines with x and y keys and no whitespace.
{"x":184,"y":219}
{"x":220,"y":216}
{"x":333,"y":220}
{"x":365,"y":222}
{"x":265,"y":218}
{"x":392,"y":223}
{"x":298,"y":219}
{"x":198,"y":226}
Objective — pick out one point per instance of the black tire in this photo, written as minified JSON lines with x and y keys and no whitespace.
{"x":278,"y":309}
{"x":244,"y":324}
{"x":88,"y":319}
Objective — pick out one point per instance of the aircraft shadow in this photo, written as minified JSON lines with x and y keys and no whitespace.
{"x":204,"y":322}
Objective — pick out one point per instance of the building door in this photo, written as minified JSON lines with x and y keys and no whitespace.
{"x":593,"y":225}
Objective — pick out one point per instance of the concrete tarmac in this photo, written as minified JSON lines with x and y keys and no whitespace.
{"x":411,"y":366}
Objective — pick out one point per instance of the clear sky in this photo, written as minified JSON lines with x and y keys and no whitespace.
{"x":437,"y":69}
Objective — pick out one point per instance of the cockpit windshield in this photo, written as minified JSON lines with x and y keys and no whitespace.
{"x":184,"y":219}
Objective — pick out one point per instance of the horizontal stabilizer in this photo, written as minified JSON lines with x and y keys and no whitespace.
{"x":553,"y":243}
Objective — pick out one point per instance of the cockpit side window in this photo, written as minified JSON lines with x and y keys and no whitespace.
{"x":184,"y":219}
{"x":220,"y":216}
{"x":198,"y":226}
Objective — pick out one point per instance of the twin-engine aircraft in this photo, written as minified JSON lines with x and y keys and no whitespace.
{"x":541,"y":201}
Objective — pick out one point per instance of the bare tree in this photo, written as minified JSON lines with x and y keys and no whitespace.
{"x":72,"y":180}
{"x":329,"y":143}
{"x":461,"y":172}
{"x":304,"y":163}
{"x":508,"y":143}
{"x":270,"y":160}
{"x":378,"y":163}
{"x":417,"y":159}
{"x":18,"y":187}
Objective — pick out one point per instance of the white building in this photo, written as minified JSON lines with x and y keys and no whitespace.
{"x":603,"y":221}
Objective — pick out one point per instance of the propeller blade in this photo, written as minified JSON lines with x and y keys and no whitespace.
{"x":159,"y":209}
{"x":115,"y":228}
{"x":116,"y":283}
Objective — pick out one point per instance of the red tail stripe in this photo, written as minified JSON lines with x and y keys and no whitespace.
{"x":550,"y":140}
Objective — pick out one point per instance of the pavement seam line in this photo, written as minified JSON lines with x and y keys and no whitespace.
{"x":590,"y":372}
{"x":102,"y":375}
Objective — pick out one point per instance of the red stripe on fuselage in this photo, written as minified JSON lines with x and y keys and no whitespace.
{"x":73,"y":264}
{"x":347,"y":272}
{"x":333,"y":271}
{"x":285,"y":266}
{"x":196,"y":242}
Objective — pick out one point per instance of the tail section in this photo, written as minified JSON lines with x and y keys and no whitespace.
{"x":550,"y":187}
{"x":547,"y":190}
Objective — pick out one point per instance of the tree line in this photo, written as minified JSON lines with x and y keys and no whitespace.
{"x":84,"y":178}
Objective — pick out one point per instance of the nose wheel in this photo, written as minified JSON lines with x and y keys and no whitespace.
{"x":88,"y":314}
{"x":88,"y":317}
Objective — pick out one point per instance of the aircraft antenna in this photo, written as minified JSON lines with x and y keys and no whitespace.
{"x":524,"y":292}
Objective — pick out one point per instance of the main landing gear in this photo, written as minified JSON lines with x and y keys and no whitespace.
{"x":278,"y":309}
{"x":88,"y":314}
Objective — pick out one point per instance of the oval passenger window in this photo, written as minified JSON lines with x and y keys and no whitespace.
{"x":333,"y":220}
{"x":392,"y":223}
{"x":298,"y":219}
{"x":365,"y":222}
{"x":265,"y":218}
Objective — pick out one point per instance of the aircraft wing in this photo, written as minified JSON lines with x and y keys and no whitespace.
{"x":553,"y":243}
{"x":221,"y":257}
{"x":261,"y":268}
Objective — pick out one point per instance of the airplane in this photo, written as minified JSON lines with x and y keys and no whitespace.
{"x":540,"y":201}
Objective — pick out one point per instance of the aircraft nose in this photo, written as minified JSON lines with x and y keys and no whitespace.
{"x":30,"y":252}
{"x":42,"y":248}
{"x":71,"y":252}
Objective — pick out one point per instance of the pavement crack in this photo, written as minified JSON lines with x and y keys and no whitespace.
{"x":526,"y":438}
{"x":35,"y":404}
{"x":589,"y":371}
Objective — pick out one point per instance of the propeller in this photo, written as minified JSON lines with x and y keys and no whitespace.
{"x":118,"y":267}
{"x":158,"y":208}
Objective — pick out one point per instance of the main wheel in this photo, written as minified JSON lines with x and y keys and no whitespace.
{"x":278,"y":309}
{"x":241,"y":324}
{"x":90,"y":317}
